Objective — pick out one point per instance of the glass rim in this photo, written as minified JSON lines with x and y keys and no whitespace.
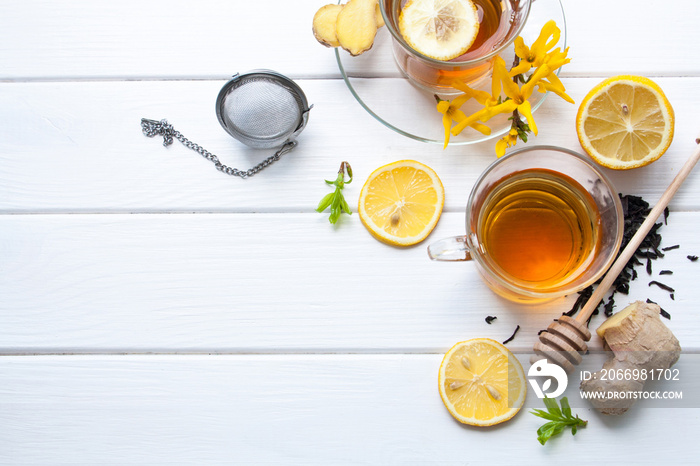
{"x":566,"y":290}
{"x":399,"y":38}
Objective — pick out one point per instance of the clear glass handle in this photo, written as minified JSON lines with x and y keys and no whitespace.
{"x":450,"y":249}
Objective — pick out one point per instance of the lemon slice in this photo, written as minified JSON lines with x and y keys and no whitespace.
{"x":400,"y":203}
{"x":439,"y":29}
{"x":625,"y":122}
{"x":481,"y":382}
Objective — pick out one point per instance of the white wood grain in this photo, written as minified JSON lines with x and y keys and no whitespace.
{"x":290,"y":409}
{"x":78,"y":147}
{"x":212,"y":39}
{"x":268,"y":283}
{"x":314,"y":344}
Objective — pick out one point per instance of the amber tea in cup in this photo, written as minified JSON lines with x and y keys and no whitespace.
{"x":540,"y":227}
{"x":542,"y":222}
{"x":500,"y":22}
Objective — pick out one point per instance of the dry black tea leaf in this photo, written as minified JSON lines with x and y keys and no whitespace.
{"x":509,"y":339}
{"x":635,"y":211}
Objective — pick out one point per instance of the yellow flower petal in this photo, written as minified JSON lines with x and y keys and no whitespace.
{"x":501,"y":147}
{"x":458,"y":115}
{"x":554,"y":80}
{"x":506,"y":107}
{"x":447,"y":122}
{"x":525,"y":110}
{"x":459,"y":127}
{"x":457,"y":102}
{"x":483,"y":129}
{"x":511,"y":89}
{"x":509,"y":140}
{"x":541,"y":46}
{"x":529,"y":86}
{"x":556,"y":59}
{"x":522,"y":68}
{"x":521,"y":50}
{"x":555,"y":33}
{"x":499,"y":75}
{"x":558,"y":90}
{"x":443,"y":106}
{"x":480,"y":96}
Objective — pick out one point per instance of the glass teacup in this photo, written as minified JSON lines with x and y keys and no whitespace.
{"x":542,"y":222}
{"x":500,"y":23}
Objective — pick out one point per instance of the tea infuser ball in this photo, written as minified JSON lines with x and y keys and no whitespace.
{"x":262,"y":109}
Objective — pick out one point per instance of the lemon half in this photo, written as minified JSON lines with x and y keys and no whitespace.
{"x":625,"y":122}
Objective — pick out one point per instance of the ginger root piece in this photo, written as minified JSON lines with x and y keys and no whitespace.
{"x":639,"y":340}
{"x":324,"y":24}
{"x":325,"y":27}
{"x":378,"y":15}
{"x":356,"y":26}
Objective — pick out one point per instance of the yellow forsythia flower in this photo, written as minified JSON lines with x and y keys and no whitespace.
{"x":451,"y":112}
{"x":534,"y":56}
{"x":543,"y":58}
{"x":509,"y":140}
{"x":484,"y":98}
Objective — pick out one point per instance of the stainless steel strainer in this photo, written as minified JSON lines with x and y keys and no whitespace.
{"x":263,"y":109}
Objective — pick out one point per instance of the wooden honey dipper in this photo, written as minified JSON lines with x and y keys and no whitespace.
{"x":565,"y":339}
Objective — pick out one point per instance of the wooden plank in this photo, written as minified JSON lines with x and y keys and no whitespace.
{"x":78,"y":147}
{"x":325,"y":342}
{"x":211,"y":39}
{"x":269,"y":283}
{"x":291,"y":409}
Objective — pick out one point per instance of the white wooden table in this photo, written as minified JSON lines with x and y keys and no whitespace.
{"x":154,"y":311}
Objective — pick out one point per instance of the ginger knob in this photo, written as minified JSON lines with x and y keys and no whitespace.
{"x":352,"y":25}
{"x":638,"y":340}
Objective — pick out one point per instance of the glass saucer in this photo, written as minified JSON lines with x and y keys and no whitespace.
{"x":375,"y":81}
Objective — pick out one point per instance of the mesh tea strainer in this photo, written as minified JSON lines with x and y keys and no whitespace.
{"x":263,"y":109}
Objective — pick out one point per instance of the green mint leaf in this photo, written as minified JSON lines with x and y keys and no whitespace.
{"x":335,"y":215}
{"x":344,"y":205}
{"x":335,"y":200}
{"x":552,"y":406}
{"x":565,"y":408}
{"x":557,"y":429}
{"x":545,"y":415}
{"x":559,"y":419}
{"x":549,"y":430}
{"x":545,"y":432}
{"x":325,"y":202}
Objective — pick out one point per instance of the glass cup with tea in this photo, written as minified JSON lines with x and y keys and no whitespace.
{"x":542,"y":222}
{"x":500,"y":22}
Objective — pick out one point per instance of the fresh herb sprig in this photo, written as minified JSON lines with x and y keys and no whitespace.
{"x":558,"y":418}
{"x":335,"y":200}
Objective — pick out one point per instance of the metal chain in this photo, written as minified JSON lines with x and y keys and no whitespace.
{"x":153,"y":128}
